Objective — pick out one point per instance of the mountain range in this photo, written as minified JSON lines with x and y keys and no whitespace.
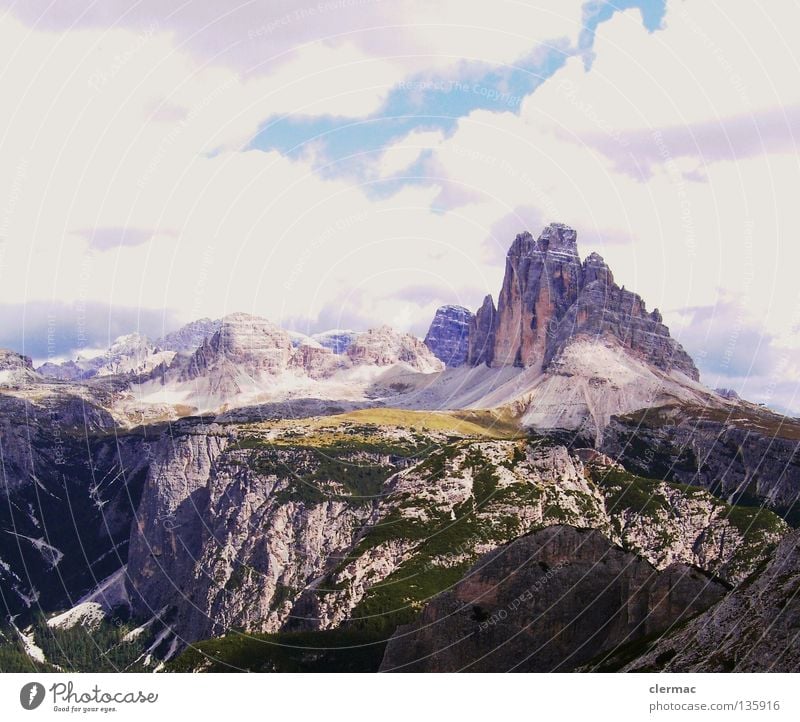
{"x":381,"y":498}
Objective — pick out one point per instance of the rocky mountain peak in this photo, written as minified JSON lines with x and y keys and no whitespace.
{"x":448,"y":335}
{"x":12,"y":360}
{"x":384,"y":346}
{"x":245,"y":334}
{"x":596,"y":269}
{"x":244,"y":347}
{"x":549,"y":297}
{"x":523,"y":245}
{"x":189,"y":337}
{"x":558,"y":238}
{"x":541,"y":282}
{"x":480,"y":346}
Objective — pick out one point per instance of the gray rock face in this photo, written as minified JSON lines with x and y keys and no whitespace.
{"x":541,"y":282}
{"x":604,"y":309}
{"x":11,"y":360}
{"x":271,"y":535}
{"x":549,"y":601}
{"x":549,"y":297}
{"x":742,"y":452}
{"x":69,"y":489}
{"x":753,"y":629}
{"x":384,"y":347}
{"x":189,"y":337}
{"x":64,"y":371}
{"x":15,"y":369}
{"x":166,"y":530}
{"x":448,"y":335}
{"x":480,"y":347}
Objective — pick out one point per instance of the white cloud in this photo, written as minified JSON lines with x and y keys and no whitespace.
{"x":257,"y":36}
{"x":400,"y":155}
{"x":140,"y":127}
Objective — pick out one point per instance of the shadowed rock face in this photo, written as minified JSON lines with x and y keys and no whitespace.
{"x":448,"y":335}
{"x":481,"y":334}
{"x":754,"y":629}
{"x":743,"y":453}
{"x":549,"y":601}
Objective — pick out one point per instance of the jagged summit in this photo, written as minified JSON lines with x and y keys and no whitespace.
{"x":15,"y":368}
{"x":596,"y":269}
{"x":448,"y":335}
{"x":189,"y":337}
{"x":550,"y":297}
{"x":481,"y":334}
{"x":556,"y":238}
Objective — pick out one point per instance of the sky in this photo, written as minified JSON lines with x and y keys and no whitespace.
{"x":348,"y":163}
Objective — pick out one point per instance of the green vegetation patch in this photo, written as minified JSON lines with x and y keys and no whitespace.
{"x":337,"y":650}
{"x":78,"y":649}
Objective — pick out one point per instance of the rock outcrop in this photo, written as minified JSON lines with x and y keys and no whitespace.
{"x":189,"y":337}
{"x":69,"y":487}
{"x":548,"y":602}
{"x":385,"y":347}
{"x":448,"y":335}
{"x":131,"y":354}
{"x":549,"y":297}
{"x":603,"y":309}
{"x":753,"y":629}
{"x":481,"y":334}
{"x":541,"y":282}
{"x":251,"y":344}
{"x":15,"y":369}
{"x":262,"y":533}
{"x":740,"y":452}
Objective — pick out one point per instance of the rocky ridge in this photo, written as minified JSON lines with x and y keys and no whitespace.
{"x":548,"y":602}
{"x":753,"y":629}
{"x":275,"y":536}
{"x":549,"y":297}
{"x":742,"y":453}
{"x":448,"y":335}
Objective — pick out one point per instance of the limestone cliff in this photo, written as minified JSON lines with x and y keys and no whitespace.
{"x":448,"y":335}
{"x":547,"y":602}
{"x":549,"y":298}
